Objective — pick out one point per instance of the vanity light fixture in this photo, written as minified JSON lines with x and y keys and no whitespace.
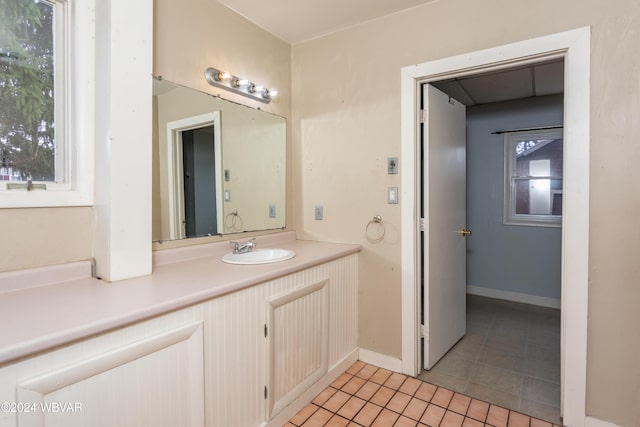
{"x":238,"y":85}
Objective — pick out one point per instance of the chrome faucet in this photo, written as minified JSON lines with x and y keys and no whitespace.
{"x":243,"y":249}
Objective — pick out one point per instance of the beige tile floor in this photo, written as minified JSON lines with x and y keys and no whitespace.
{"x":366,"y":395}
{"x":510,"y":357}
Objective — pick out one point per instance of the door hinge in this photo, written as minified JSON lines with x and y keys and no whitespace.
{"x":422,"y":330}
{"x":265,"y":330}
{"x":423,"y":116}
{"x":421,"y":224}
{"x":266,"y":393}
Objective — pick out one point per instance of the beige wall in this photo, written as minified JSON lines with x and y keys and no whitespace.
{"x":191,"y":35}
{"x":347,"y":121}
{"x":44,"y":236}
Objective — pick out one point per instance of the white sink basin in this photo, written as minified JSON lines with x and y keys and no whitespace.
{"x":259,"y":256}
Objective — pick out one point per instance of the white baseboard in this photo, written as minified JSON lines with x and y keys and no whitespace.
{"x":594,"y":422}
{"x":381,"y":360}
{"x":514,"y":296}
{"x":307,"y":396}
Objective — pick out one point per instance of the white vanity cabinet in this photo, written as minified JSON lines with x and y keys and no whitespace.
{"x":311,"y":324}
{"x":235,"y":360}
{"x":150,"y":373}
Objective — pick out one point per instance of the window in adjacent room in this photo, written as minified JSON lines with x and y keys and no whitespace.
{"x":40,"y":134}
{"x":533,"y":178}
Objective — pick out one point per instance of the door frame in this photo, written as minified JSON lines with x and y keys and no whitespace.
{"x":574,"y":47}
{"x":175,"y":193}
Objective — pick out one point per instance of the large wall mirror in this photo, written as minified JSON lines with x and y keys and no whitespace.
{"x":218,"y":168}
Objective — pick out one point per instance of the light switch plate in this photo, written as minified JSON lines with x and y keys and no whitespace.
{"x":392,"y":195}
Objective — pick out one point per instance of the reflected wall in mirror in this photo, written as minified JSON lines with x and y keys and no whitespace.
{"x":218,"y":168}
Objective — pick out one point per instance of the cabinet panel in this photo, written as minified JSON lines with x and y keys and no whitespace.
{"x":298,"y":342}
{"x":154,"y":381}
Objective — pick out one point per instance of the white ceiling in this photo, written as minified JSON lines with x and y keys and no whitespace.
{"x":295,"y":21}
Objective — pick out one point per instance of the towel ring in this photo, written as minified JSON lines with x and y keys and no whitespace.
{"x":231,"y":219}
{"x":379,"y":235}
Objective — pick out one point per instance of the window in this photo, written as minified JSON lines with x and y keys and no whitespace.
{"x":42,"y":158}
{"x":533,"y":178}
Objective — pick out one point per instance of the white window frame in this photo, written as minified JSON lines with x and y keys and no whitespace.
{"x":74,"y":106}
{"x":510,"y":217}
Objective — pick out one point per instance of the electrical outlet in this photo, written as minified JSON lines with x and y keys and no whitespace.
{"x":272,"y":211}
{"x":227,"y":175}
{"x":227,"y":195}
{"x":392,"y":165}
{"x":318,"y":212}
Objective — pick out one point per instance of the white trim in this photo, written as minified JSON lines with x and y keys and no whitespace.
{"x":381,"y":360}
{"x":174,"y":178}
{"x":514,"y":296}
{"x":594,"y":422}
{"x":122,"y":138}
{"x":574,"y":46}
{"x":74,"y":107}
{"x":509,"y":215}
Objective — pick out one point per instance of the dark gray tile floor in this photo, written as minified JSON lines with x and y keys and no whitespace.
{"x":510,"y":356}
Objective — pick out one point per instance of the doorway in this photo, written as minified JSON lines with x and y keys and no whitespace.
{"x":199,"y":177}
{"x":573,"y":46}
{"x":510,"y":353}
{"x":194,"y":153}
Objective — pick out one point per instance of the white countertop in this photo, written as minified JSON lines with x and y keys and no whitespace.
{"x":40,"y":318}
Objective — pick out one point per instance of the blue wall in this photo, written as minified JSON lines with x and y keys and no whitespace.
{"x":520,"y":259}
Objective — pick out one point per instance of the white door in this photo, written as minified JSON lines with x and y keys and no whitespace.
{"x":444,"y":246}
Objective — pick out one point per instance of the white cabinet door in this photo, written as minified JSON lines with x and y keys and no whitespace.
{"x":157,"y":380}
{"x":298,"y":343}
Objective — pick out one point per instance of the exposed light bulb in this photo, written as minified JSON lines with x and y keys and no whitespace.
{"x":269,"y":93}
{"x":223,"y":75}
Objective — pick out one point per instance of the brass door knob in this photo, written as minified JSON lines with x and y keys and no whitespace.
{"x":465,"y":232}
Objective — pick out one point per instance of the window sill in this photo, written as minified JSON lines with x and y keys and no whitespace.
{"x":535,"y":221}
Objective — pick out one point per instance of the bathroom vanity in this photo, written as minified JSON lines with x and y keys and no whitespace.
{"x":199,"y":342}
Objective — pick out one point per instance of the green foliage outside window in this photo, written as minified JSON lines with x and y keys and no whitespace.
{"x":27,"y":142}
